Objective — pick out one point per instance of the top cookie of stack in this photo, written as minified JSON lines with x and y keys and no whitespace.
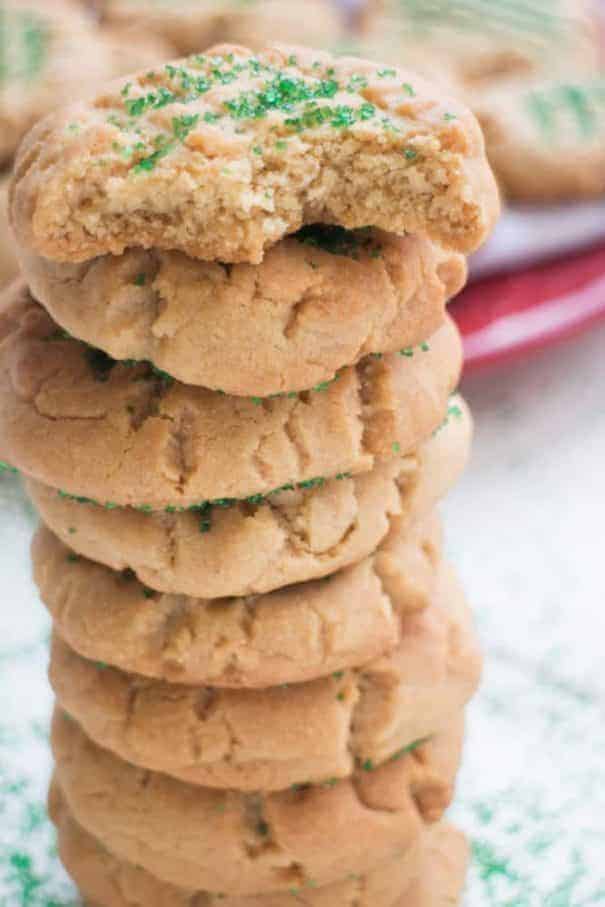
{"x":157,"y":221}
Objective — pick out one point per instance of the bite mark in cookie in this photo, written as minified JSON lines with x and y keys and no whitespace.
{"x":222,"y":155}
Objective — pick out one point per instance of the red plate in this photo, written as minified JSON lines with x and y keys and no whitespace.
{"x":507,"y":316}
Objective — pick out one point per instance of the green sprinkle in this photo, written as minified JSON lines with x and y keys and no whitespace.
{"x":312,"y":483}
{"x":148,"y":593}
{"x":73,"y":558}
{"x":396,"y":447}
{"x":135,"y":107}
{"x":281,"y":145}
{"x":409,"y":89}
{"x":386,"y":73}
{"x":72,"y":530}
{"x":410,"y":154}
{"x":148,"y":163}
{"x":257,"y":149}
{"x":6,"y":467}
{"x":182,"y":126}
{"x":356,"y":82}
{"x":449,"y":117}
{"x":139,"y":280}
{"x":367,"y":766}
{"x":409,"y":749}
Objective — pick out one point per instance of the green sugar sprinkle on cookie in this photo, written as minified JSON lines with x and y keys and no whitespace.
{"x":368,"y":765}
{"x":409,"y":749}
{"x":304,"y":102}
{"x":205,"y":508}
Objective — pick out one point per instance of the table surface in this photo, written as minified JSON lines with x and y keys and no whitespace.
{"x":525,"y":527}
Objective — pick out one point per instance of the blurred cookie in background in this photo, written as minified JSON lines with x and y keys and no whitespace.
{"x":531,"y":70}
{"x":192,"y":25}
{"x":480,"y":42}
{"x":130,"y":52}
{"x":50,"y":53}
{"x":313,"y":23}
{"x":546,"y":141}
{"x":8,"y":261}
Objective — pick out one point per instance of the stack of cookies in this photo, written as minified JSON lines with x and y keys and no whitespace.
{"x":229,"y":383}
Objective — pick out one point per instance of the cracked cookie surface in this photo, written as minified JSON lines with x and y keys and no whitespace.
{"x":122,"y":433}
{"x":201,"y":838}
{"x":221,"y":156}
{"x":291,"y":635}
{"x":287,"y":538}
{"x":431,"y":878}
{"x":306,"y":733}
{"x":319,"y":301}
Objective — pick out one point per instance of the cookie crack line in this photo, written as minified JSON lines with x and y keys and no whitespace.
{"x":171,"y":636}
{"x":200,"y":708}
{"x":134,"y":445}
{"x":389,"y":308}
{"x":420,"y":481}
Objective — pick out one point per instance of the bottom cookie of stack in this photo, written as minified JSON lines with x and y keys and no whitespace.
{"x":303,"y":839}
{"x":431,"y":876}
